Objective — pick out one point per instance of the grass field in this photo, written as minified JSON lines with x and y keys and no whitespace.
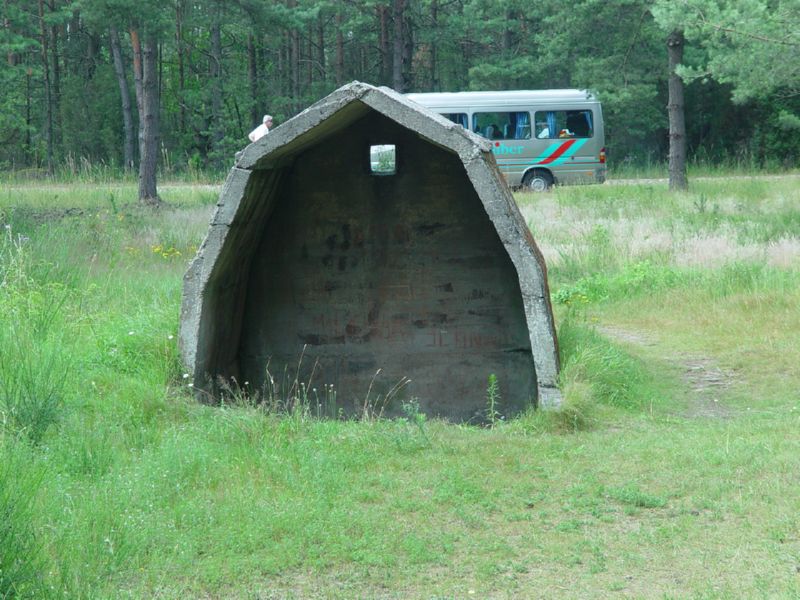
{"x":672,"y":471}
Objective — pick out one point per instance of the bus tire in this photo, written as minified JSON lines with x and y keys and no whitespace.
{"x":537,"y":180}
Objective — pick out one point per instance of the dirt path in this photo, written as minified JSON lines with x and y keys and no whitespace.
{"x":707,"y":381}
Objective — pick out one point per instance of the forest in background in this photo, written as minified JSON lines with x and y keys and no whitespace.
{"x":97,"y":81}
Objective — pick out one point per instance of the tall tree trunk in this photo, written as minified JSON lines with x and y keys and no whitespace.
{"x":48,"y":92}
{"x":160,"y":55}
{"x":252,"y":76}
{"x":294,"y":61}
{"x":462,"y":73}
{"x":11,"y":57}
{"x":433,"y":79}
{"x":215,"y":73}
{"x":56,"y":83}
{"x":310,"y":58}
{"x":398,"y":14}
{"x":136,"y":45}
{"x":675,"y":109}
{"x":383,"y":43}
{"x":282,"y":77}
{"x":339,"y":50}
{"x":148,"y":193}
{"x":28,"y":118}
{"x":408,"y":52}
{"x":508,"y":31}
{"x":72,"y":37}
{"x":363,"y":63}
{"x":294,"y":65}
{"x":323,"y":68}
{"x":92,"y":52}
{"x":125,"y":97}
{"x":179,"y":8}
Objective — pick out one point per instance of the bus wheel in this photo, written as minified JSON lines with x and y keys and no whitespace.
{"x":537,"y":181}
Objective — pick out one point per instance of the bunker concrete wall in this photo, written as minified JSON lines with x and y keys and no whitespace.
{"x":217,"y":340}
{"x":403,"y":273}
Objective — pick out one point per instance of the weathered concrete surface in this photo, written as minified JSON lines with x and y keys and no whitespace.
{"x":429,"y":274}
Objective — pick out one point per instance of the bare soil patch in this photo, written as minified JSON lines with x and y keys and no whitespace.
{"x":706,"y":380}
{"x":708,"y":383}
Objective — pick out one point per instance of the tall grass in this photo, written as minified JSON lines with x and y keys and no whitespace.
{"x":34,"y":363}
{"x":23,"y":571}
{"x":130,"y":488}
{"x":43,"y":204}
{"x":596,"y":231}
{"x":613,"y":377}
{"x":651,"y":167}
{"x":80,"y":170}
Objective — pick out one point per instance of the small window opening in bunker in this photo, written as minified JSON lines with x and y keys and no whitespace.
{"x":383,"y":159}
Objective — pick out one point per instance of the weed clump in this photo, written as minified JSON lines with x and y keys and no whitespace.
{"x":493,"y":401}
{"x":633,"y":279}
{"x":631,"y":495}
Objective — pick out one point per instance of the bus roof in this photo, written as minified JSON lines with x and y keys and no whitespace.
{"x":466,"y":99}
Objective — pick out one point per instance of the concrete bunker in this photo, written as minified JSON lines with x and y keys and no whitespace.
{"x":369,"y":234}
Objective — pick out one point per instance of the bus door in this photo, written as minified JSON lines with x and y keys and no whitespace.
{"x":569,"y":148}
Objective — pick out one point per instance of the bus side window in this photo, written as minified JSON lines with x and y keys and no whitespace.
{"x":578,"y":123}
{"x":460,"y":118}
{"x":549,"y":124}
{"x":552,"y":124}
{"x":503,"y":125}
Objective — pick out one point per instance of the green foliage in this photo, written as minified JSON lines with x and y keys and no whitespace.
{"x":737,"y":39}
{"x":279,"y":58}
{"x":788,"y":121}
{"x":741,"y":36}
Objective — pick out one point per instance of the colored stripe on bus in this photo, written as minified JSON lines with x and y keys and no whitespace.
{"x":554,"y":155}
{"x":548,"y":151}
{"x":561,"y":150}
{"x":568,"y":152}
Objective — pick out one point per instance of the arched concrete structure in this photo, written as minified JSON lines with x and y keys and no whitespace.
{"x":429,"y":274}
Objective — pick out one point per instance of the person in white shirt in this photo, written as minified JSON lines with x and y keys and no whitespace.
{"x":262,"y":129}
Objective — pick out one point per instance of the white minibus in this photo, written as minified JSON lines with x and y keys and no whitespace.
{"x":539,"y":138}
